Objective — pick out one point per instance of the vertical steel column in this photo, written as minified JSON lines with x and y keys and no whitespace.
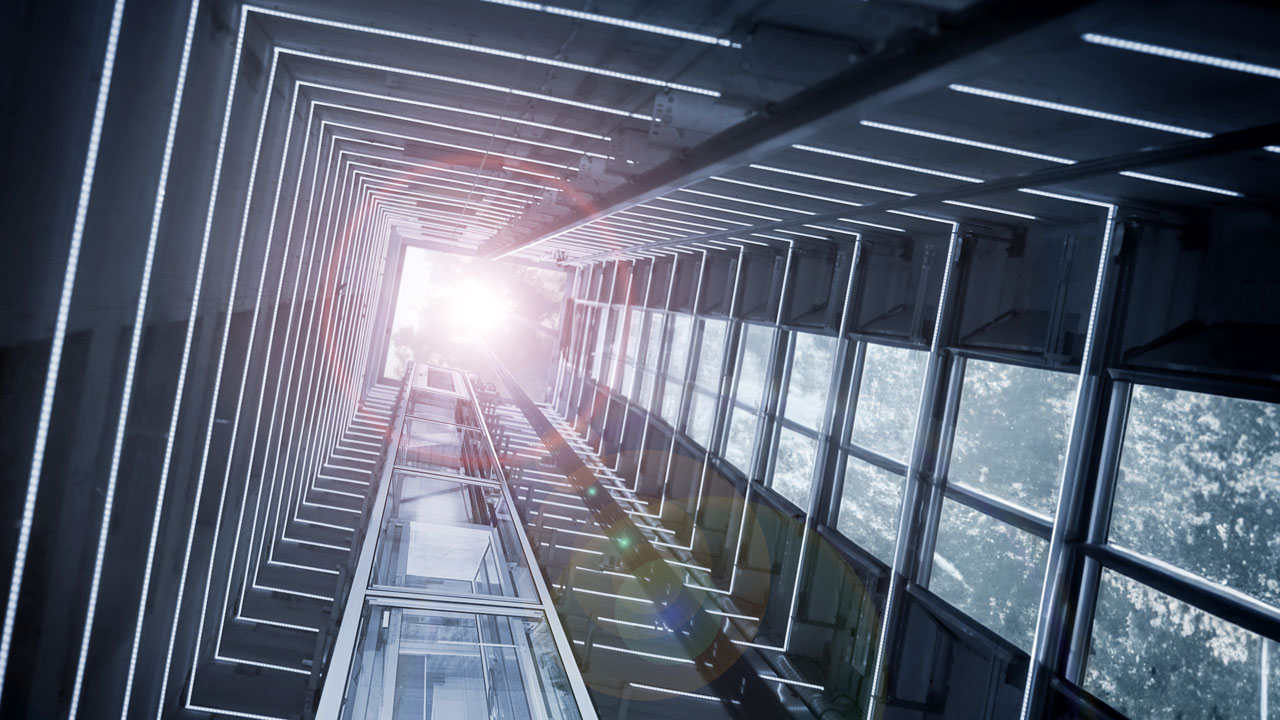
{"x":915,"y":484}
{"x":1071,"y":513}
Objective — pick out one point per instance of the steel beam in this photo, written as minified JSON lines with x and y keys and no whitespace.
{"x":1237,"y":140}
{"x":965,"y":41}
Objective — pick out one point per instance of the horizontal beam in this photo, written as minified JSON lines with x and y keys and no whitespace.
{"x":965,"y":41}
{"x":1247,"y":139}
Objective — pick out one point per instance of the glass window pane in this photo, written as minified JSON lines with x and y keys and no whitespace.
{"x":711,"y":355}
{"x":741,"y":442}
{"x":597,"y":360}
{"x":653,"y":346}
{"x":991,"y":571}
{"x":1154,"y":656}
{"x":452,"y":537}
{"x":885,"y":417}
{"x":793,"y":467}
{"x":442,"y":665}
{"x":1011,"y":436}
{"x":442,"y":448}
{"x":869,"y":506}
{"x":753,"y":363}
{"x":677,"y":361}
{"x":1199,"y":487}
{"x":810,"y":382}
{"x":445,"y":408}
{"x":702,"y":409}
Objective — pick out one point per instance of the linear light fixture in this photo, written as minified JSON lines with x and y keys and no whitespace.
{"x":483,"y":50}
{"x":1184,"y":55}
{"x":59,"y":336}
{"x":619,"y":22}
{"x":1082,"y":111}
{"x":886,"y":163}
{"x":990,"y":209}
{"x":834,"y":180}
{"x":1039,"y":156}
{"x":965,"y":141}
{"x":472,"y":83}
{"x":1181,"y":183}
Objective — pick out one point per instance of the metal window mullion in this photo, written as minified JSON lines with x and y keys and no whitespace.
{"x":1072,"y":511}
{"x":942,"y":466}
{"x":914,"y":486}
{"x":829,"y":480}
{"x":1077,"y":654}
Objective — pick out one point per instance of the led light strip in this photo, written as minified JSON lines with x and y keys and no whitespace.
{"x":964,"y":141}
{"x":886,"y":163}
{"x":134,"y":344}
{"x":446,"y":126}
{"x":619,"y":22}
{"x":1039,"y":156}
{"x":59,"y":336}
{"x":472,"y":83}
{"x":462,"y":110}
{"x":481,"y":49}
{"x":1077,"y":110}
{"x":1184,"y":55}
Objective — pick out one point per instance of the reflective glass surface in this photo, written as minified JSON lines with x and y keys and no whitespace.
{"x":677,"y":362}
{"x":990,"y":570}
{"x":1152,"y":656}
{"x":809,"y":384}
{"x":447,"y":665}
{"x":753,"y":363}
{"x":706,"y":380}
{"x":445,"y":408}
{"x":711,"y":355}
{"x":793,"y":467}
{"x":442,"y":448}
{"x":452,"y":537}
{"x":1011,"y":435}
{"x":740,"y":443}
{"x":1199,"y":487}
{"x":869,"y":507}
{"x":885,"y":416}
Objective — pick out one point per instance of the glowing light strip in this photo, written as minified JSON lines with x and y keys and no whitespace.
{"x":717,"y":208}
{"x":797,"y":193}
{"x":226,"y":329}
{"x":1082,"y":111}
{"x":989,"y":209}
{"x":886,"y":163}
{"x":447,"y":126}
{"x":689,"y":213}
{"x":476,"y":176}
{"x":618,"y":22}
{"x":669,"y":691}
{"x":1184,"y":55}
{"x":461,"y":111}
{"x":1051,"y":158}
{"x":1181,"y":183}
{"x":757,"y":203}
{"x":483,"y":50}
{"x":824,"y":178}
{"x":276,"y":422}
{"x":472,"y":83}
{"x":1060,"y":511}
{"x":59,"y":336}
{"x":641,"y":653}
{"x":134,"y":344}
{"x":970,"y":143}
{"x":441,"y":143}
{"x":796,"y":683}
{"x":253,"y":442}
{"x":531,"y":172}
